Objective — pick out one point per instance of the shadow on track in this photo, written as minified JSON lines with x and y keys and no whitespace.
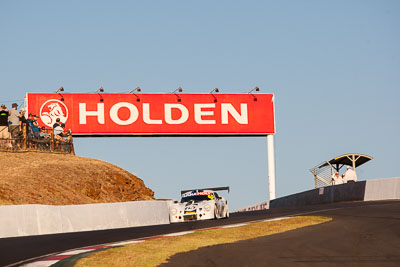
{"x":361,"y":235}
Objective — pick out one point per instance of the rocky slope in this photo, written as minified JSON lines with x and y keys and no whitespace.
{"x":57,"y":179}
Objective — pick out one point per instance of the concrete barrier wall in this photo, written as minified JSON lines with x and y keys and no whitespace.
{"x":25,"y":220}
{"x":381,"y":189}
{"x":259,"y":206}
{"x":324,"y":195}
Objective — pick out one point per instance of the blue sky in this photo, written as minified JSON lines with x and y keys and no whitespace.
{"x":334,"y":67}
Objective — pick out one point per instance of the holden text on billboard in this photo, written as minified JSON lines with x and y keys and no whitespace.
{"x":156,"y":114}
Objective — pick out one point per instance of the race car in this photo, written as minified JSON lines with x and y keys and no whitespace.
{"x":199,"y":204}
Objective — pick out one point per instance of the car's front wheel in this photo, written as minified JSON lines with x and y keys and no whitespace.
{"x":226,"y":212}
{"x":216,"y":212}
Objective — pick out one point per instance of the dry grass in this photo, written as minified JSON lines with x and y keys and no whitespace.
{"x":63,"y":179}
{"x":155,"y":252}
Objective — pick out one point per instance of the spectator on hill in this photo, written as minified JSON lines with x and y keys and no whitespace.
{"x":58,"y":123}
{"x":29,"y":123}
{"x":14,"y":121}
{"x":33,"y":126}
{"x":350,"y":175}
{"x":4,"y":134}
{"x":59,"y":133}
{"x":22,"y":120}
{"x":43,"y":133}
{"x":36,"y":127}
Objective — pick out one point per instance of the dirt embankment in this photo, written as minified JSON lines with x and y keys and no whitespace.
{"x":56,"y":179}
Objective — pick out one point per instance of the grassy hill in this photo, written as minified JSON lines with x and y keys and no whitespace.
{"x":58,"y":179}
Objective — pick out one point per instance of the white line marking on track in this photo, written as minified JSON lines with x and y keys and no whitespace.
{"x":126,"y":243}
{"x":40,"y":263}
{"x":179,"y":233}
{"x":74,"y":252}
{"x":275,"y":219}
{"x":234,"y":225}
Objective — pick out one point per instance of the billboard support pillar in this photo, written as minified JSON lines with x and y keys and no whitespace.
{"x":271,"y":166}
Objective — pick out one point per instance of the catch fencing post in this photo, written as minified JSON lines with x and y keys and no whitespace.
{"x":25,"y":136}
{"x":71,"y":144}
{"x":52,"y":140}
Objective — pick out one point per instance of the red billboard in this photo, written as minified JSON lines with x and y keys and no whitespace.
{"x":111,"y":114}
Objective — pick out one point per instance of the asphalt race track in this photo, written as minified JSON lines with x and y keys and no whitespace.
{"x":17,"y":249}
{"x":361,"y":234}
{"x":367,"y":235}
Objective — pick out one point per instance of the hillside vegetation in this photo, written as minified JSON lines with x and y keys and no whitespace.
{"x":59,"y":179}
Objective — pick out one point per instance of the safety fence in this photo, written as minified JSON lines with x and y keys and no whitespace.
{"x":44,"y":141}
{"x":322,"y":175}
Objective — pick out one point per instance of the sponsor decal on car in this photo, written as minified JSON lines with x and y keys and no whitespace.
{"x":189,"y":194}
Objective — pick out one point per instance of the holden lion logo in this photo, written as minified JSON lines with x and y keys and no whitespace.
{"x":51,"y":110}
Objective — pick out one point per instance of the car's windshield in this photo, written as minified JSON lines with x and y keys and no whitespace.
{"x":197,"y":198}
